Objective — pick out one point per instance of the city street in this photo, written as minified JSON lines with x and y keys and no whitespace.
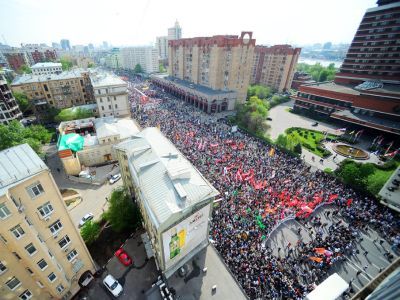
{"x":93,"y":196}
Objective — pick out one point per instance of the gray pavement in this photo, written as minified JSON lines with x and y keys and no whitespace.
{"x":347,"y":269}
{"x":94,"y":196}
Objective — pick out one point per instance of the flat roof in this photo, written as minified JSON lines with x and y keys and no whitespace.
{"x":329,"y":289}
{"x":190,"y":85}
{"x":333,"y":87}
{"x":30,"y":78}
{"x":369,"y":119}
{"x":46,"y":65}
{"x":17,"y":164}
{"x":169,"y":183}
{"x":106,"y":79}
{"x":110,"y":126}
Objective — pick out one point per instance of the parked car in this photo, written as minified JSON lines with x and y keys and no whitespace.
{"x":113,"y":285}
{"x":123,"y":257}
{"x":115,"y":178}
{"x":85,"y":218}
{"x":314,"y":124}
{"x":269,"y":119}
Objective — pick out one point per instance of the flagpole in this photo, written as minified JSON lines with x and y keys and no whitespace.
{"x":387,"y":150}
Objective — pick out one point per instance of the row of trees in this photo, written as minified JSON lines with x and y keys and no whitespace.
{"x":70,"y":114}
{"x":318,"y":72}
{"x":15,"y":134}
{"x":123,"y":215}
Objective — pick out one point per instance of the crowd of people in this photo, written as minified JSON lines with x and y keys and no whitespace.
{"x":261,"y":186}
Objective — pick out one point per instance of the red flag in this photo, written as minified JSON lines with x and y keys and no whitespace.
{"x":349,"y":202}
{"x":332,"y":198}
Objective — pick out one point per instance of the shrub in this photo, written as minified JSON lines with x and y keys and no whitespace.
{"x":297,"y":148}
{"x":90,"y":232}
{"x":328,"y":171}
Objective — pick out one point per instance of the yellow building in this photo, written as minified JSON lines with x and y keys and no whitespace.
{"x":221,"y":63}
{"x":274,"y":66}
{"x":42,"y":255}
{"x":67,"y":89}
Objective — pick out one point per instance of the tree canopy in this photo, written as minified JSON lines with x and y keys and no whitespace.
{"x":90,"y":231}
{"x":24,"y":69}
{"x":16,"y":134}
{"x":318,"y":72}
{"x":69,"y":114}
{"x":262,"y":92}
{"x":22,"y":101}
{"x":162,"y":68}
{"x":122,"y":214}
{"x":138,"y":69}
{"x":253,"y":114}
{"x":66,"y":63}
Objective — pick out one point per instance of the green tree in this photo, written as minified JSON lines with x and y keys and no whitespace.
{"x":350,"y":173}
{"x":297,"y":148}
{"x":90,"y":65}
{"x":281,"y":140}
{"x":262,"y":92}
{"x":122,"y":214}
{"x":162,"y":68}
{"x":22,"y":101}
{"x":318,"y":72}
{"x":16,"y":134}
{"x":66,"y":63}
{"x":70,"y":114}
{"x":90,"y":232}
{"x":24,"y":69}
{"x":138,"y":69}
{"x":323,"y":75}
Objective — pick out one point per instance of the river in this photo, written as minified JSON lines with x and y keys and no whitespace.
{"x":323,"y":62}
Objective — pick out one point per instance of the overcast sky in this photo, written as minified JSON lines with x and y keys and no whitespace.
{"x":138,"y":22}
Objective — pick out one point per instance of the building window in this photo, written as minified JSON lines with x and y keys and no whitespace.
{"x":4,"y":211}
{"x":42,"y":264}
{"x":18,"y":231}
{"x":40,"y":238}
{"x":25,"y":295}
{"x":55,"y":227}
{"x":52,"y":277}
{"x":16,"y":255}
{"x":29,"y":271}
{"x":13,"y":283}
{"x":116,"y":106}
{"x":115,"y":98}
{"x":35,"y":190}
{"x":3,"y":268}
{"x":28,"y":221}
{"x":50,"y":254}
{"x":72,"y":255}
{"x":102,"y":108}
{"x":2,"y":238}
{"x":31,"y":249}
{"x":45,"y":210}
{"x":64,"y":242}
{"x":60,"y":288}
{"x":40,"y":284}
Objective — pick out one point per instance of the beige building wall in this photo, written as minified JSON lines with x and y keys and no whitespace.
{"x":219,"y":62}
{"x":26,"y":226}
{"x":72,"y":165}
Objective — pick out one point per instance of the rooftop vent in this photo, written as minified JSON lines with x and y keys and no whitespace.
{"x":180,"y":190}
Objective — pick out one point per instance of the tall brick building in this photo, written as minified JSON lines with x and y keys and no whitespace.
{"x":275,"y":66}
{"x":366,"y":90}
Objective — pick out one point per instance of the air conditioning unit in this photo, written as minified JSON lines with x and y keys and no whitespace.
{"x":21,"y":208}
{"x":55,"y":236}
{"x":47,"y":219}
{"x":66,"y":249}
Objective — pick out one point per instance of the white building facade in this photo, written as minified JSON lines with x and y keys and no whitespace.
{"x":46,"y":68}
{"x":111,"y":95}
{"x":145,"y":56}
{"x":162,"y":47}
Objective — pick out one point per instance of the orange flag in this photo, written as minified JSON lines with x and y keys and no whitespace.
{"x":320,"y":250}
{"x":316,"y":259}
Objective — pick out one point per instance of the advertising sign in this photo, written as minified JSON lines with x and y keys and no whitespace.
{"x":182,"y":238}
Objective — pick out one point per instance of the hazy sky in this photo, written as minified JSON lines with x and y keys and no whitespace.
{"x":138,"y":22}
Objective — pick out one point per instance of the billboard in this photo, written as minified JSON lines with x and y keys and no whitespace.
{"x":182,"y":238}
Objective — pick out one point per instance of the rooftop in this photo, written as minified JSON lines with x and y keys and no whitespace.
{"x":29,"y":78}
{"x":105,"y":79}
{"x":168,"y":181}
{"x":367,"y":119}
{"x":333,"y":87}
{"x":46,"y":65}
{"x":391,"y":199}
{"x":18,"y":163}
{"x":201,"y":88}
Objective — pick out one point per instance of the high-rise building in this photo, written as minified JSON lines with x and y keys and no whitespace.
{"x":9,"y":109}
{"x":42,"y":254}
{"x":105,"y":45}
{"x":274,"y":66}
{"x":366,"y":90}
{"x":65,"y":45}
{"x":56,"y":45}
{"x":145,"y":56}
{"x":207,"y":70}
{"x":162,"y":47}
{"x":175,"y":33}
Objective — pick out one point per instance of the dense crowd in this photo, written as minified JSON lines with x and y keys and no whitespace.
{"x":260,"y":187}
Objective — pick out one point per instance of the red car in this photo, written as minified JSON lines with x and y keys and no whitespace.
{"x":123,"y":257}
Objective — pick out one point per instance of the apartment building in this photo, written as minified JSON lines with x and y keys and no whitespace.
{"x":111,"y":95}
{"x":42,"y":254}
{"x":145,"y":56}
{"x":275,"y":66}
{"x":62,"y":90}
{"x":220,"y":63}
{"x":175,"y":32}
{"x":37,"y":53}
{"x":46,"y":68}
{"x":162,"y":47}
{"x":9,"y":109}
{"x":15,"y":57}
